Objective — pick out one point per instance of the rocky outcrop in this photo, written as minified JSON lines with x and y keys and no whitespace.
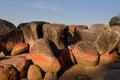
{"x":40,"y":50}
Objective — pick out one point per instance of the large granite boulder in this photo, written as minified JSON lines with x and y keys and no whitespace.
{"x":45,"y":54}
{"x":57,"y":33}
{"x":6,"y":26}
{"x":8,"y":72}
{"x":89,"y":34}
{"x":85,"y":53}
{"x":33,"y":31}
{"x":21,"y":64}
{"x":8,"y":40}
{"x":106,"y":41}
{"x":81,"y":72}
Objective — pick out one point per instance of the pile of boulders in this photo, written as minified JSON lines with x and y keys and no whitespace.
{"x":40,"y":50}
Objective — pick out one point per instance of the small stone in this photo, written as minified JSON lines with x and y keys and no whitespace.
{"x":18,"y":48}
{"x":34,"y":73}
{"x":50,"y":76}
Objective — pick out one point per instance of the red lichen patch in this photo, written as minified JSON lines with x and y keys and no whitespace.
{"x":46,"y":63}
{"x":38,"y":57}
{"x":109,"y":55}
{"x":20,"y":45}
{"x":86,"y":54}
{"x":108,"y":58}
{"x":42,"y":58}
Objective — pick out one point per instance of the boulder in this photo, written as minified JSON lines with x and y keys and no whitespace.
{"x":106,"y":41}
{"x":50,"y":76}
{"x":85,"y":53}
{"x":6,"y":26}
{"x":106,"y":59}
{"x":45,"y":54}
{"x":21,"y":25}
{"x":57,"y":33}
{"x":21,"y":64}
{"x":81,"y":72}
{"x":8,"y":72}
{"x":18,"y":48}
{"x":8,"y":40}
{"x":34,"y":73}
{"x":116,"y":29}
{"x":33,"y":31}
{"x":89,"y":34}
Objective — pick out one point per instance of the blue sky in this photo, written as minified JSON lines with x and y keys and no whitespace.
{"x":84,"y":12}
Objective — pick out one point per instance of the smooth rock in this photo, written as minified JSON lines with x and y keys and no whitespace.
{"x":18,"y":48}
{"x":106,"y":41}
{"x":45,"y":54}
{"x":34,"y":73}
{"x":85,"y":53}
{"x":50,"y":76}
{"x":57,"y":33}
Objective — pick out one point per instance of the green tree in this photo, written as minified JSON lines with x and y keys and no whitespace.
{"x":114,"y":21}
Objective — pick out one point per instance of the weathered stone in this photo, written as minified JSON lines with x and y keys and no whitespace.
{"x":89,"y":34}
{"x":45,"y":54}
{"x":80,"y":72}
{"x":6,"y":26}
{"x":10,"y":39}
{"x":33,"y":31}
{"x":106,"y":41}
{"x":21,"y":64}
{"x":57,"y":33}
{"x":50,"y":76}
{"x":2,"y":54}
{"x":85,"y":53}
{"x":34,"y":73}
{"x":20,"y":26}
{"x":18,"y":48}
{"x":116,"y":29}
{"x":108,"y":58}
{"x":8,"y":72}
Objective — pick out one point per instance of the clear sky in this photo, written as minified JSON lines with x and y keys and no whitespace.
{"x":84,"y":12}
